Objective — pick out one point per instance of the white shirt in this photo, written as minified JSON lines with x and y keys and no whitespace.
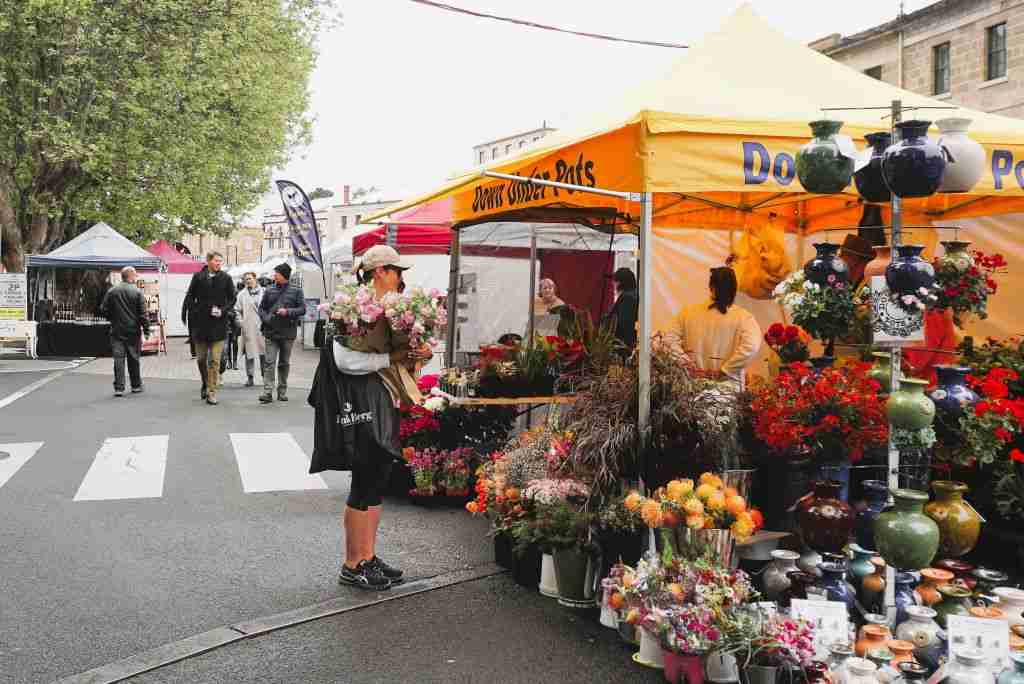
{"x":358,"y":363}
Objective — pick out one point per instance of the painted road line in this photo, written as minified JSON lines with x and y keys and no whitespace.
{"x":272,"y":462}
{"x":24,"y":391}
{"x":13,"y":456}
{"x":126,"y":468}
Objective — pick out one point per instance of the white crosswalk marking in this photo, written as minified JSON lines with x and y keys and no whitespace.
{"x":17,"y":456}
{"x":126,"y":468}
{"x":273,"y":462}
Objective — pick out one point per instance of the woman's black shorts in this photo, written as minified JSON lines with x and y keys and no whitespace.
{"x":369,"y":480}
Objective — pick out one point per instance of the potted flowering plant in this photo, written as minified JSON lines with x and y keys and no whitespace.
{"x":779,"y":642}
{"x":823,"y":311}
{"x":618,"y":528}
{"x":967,"y":291}
{"x":440,"y":473}
{"x":789,"y":342}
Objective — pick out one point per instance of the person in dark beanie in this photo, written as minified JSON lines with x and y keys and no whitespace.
{"x":281,"y":310}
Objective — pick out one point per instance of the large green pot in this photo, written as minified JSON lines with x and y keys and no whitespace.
{"x":820,"y":166}
{"x":909,"y":407}
{"x":881,"y":371}
{"x":959,"y":524}
{"x":907,"y":538}
{"x":575,"y":573}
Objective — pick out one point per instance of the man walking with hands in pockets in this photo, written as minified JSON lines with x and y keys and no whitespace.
{"x":210,"y":294}
{"x":281,"y":310}
{"x":125,"y":308}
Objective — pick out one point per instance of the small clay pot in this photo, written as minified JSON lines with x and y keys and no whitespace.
{"x":928,"y":590}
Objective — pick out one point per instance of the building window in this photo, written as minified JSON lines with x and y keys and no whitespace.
{"x":508,"y":148}
{"x":940,"y":69}
{"x":494,"y":153}
{"x":995,"y":42}
{"x":522,"y":144}
{"x":874,"y":72}
{"x":482,"y":153}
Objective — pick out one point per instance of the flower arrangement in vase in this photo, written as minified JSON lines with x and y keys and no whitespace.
{"x":824,"y":311}
{"x":789,"y":342}
{"x":705,"y":505}
{"x":967,"y":290}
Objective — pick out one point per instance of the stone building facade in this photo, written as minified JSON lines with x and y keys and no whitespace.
{"x":968,"y":52}
{"x":509,"y":145}
{"x":241,"y":246}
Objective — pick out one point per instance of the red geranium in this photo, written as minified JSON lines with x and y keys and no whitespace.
{"x":994,"y":427}
{"x":967,"y":291}
{"x":788,"y":341}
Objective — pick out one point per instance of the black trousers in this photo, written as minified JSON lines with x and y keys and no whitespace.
{"x":128,"y":350}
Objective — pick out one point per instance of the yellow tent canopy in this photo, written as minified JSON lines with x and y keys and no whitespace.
{"x":715,"y":139}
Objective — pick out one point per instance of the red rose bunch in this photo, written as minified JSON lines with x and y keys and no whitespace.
{"x":994,"y":427}
{"x":418,"y":427}
{"x":788,"y":341}
{"x":967,"y":291}
{"x":833,"y":414}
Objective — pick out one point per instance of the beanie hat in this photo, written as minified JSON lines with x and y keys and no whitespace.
{"x":285,"y":270}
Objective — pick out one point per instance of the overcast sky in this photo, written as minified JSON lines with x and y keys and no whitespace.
{"x":402,"y":91}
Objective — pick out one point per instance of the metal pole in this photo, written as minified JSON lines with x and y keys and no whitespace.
{"x":644,"y":338}
{"x":533,"y":285}
{"x":894,"y":377}
{"x":453,"y":299}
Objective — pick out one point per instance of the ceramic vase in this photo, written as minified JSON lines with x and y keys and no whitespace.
{"x":955,"y":601}
{"x":904,"y":594}
{"x":872,"y":588}
{"x":860,"y":566}
{"x":928,"y":591}
{"x":987,"y":579}
{"x":683,"y":668}
{"x":834,"y":586}
{"x":908,"y":273}
{"x":902,"y":650}
{"x":869,"y":181}
{"x":952,"y":394}
{"x":1011,"y":602}
{"x":956,"y":257}
{"x":548,"y":579}
{"x":959,"y":524}
{"x":961,"y":570}
{"x":907,"y":538}
{"x":921,"y":630}
{"x":881,"y":371}
{"x":965,"y":158}
{"x":799,"y":583}
{"x":913,"y":673}
{"x":877,"y":266}
{"x":872,"y":636}
{"x":820,"y":166}
{"x":574,"y":573}
{"x":826,"y":267}
{"x":650,"y":653}
{"x":969,"y":667}
{"x":826,"y":521}
{"x":909,"y":407}
{"x":809,"y":561}
{"x":913,"y":166}
{"x":860,"y":671}
{"x":838,"y":654}
{"x":876,"y":497}
{"x":774,"y":579}
{"x":1014,"y":674}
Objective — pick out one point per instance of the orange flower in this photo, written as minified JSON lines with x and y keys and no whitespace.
{"x":736,"y":504}
{"x":633,"y":501}
{"x":716,"y":501}
{"x":757,"y":517}
{"x":616,"y":600}
{"x":695,"y":522}
{"x":650,"y":511}
{"x":677,"y":591}
{"x":679,"y":489}
{"x":669,"y":518}
{"x":472,"y":507}
{"x":512,"y":494}
{"x":693,"y":507}
{"x":704,"y":491}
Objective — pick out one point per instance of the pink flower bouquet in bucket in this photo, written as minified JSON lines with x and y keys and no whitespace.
{"x":417,"y":313}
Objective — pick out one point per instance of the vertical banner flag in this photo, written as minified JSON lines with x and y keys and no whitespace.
{"x":302,"y":232}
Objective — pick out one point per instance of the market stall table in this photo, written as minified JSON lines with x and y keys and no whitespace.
{"x":73,"y":338}
{"x":530,"y":403}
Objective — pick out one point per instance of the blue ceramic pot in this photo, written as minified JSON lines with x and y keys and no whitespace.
{"x":952,"y":394}
{"x":914,"y":166}
{"x":876,"y":495}
{"x":908,"y":272}
{"x":833,"y":583}
{"x":826,"y":267}
{"x":905,"y":596}
{"x":869,"y":181}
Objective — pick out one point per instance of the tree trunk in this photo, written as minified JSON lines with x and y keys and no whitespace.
{"x":12,"y":252}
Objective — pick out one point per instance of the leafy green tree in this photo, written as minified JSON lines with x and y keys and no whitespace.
{"x":156,"y":116}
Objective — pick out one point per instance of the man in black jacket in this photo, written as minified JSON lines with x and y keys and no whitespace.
{"x":211,"y":294}
{"x":627,"y":307}
{"x":281,"y":310}
{"x":125,"y":308}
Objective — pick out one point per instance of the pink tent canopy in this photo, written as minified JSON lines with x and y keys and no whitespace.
{"x":175,"y":260}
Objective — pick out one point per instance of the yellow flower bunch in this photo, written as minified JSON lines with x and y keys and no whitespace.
{"x":706,"y":504}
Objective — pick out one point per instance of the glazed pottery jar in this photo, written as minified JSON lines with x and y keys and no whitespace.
{"x":872,"y":588}
{"x":881,"y":371}
{"x":913,"y":673}
{"x":826,"y":267}
{"x":965,"y":158}
{"x":774,"y":578}
{"x":1014,"y":674}
{"x":914,"y":166}
{"x":959,"y":524}
{"x":956,"y":257}
{"x":881,"y":656}
{"x":869,"y":181}
{"x":969,"y":668}
{"x":799,"y":583}
{"x":835,"y":587}
{"x":927,"y":591}
{"x":872,"y":636}
{"x":876,"y":496}
{"x":860,"y":566}
{"x":820,"y":166}
{"x":952,"y":394}
{"x":907,"y":538}
{"x":877,"y":266}
{"x":919,"y":628}
{"x":987,"y":580}
{"x":904,"y":594}
{"x":809,"y":561}
{"x":838,"y":654}
{"x":909,"y":407}
{"x":1011,"y":602}
{"x":826,"y":521}
{"x":877,"y":619}
{"x":908,"y":273}
{"x":961,"y":569}
{"x":955,"y":601}
{"x":902,"y":650}
{"x":860,"y":671}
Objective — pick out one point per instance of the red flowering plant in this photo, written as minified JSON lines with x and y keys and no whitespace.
{"x":789,"y":342}
{"x":967,"y":292}
{"x":440,"y":472}
{"x":833,"y":414}
{"x":418,"y":427}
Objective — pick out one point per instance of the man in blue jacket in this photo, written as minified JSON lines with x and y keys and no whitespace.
{"x":281,"y":310}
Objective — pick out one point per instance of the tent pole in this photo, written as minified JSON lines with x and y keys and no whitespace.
{"x":533,"y":285}
{"x":644,"y":338}
{"x":453,"y":299}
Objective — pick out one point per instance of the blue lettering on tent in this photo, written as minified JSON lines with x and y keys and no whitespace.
{"x":784,"y":169}
{"x":749,"y":150}
{"x":1002,"y":162}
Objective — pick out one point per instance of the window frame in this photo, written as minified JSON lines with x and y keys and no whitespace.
{"x":990,"y":33}
{"x":937,"y":50}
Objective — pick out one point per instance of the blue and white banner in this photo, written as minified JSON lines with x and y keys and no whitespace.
{"x":302,"y":232}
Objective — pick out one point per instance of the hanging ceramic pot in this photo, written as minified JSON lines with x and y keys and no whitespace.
{"x":959,"y":524}
{"x":952,"y":394}
{"x":820,"y":166}
{"x":965,"y":158}
{"x":869,"y":181}
{"x":908,"y":273}
{"x":909,"y":407}
{"x":876,"y":496}
{"x":881,"y":371}
{"x":877,"y":266}
{"x":835,"y":587}
{"x":956,"y":256}
{"x":927,"y":592}
{"x":914,"y":166}
{"x":826,"y":521}
{"x":774,"y":579}
{"x":907,"y":538}
{"x":955,"y":601}
{"x":826,"y":267}
{"x":872,"y":588}
{"x":860,"y":566}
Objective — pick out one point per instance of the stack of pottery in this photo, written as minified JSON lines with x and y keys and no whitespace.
{"x":820,"y":166}
{"x":959,"y":524}
{"x":928,"y":590}
{"x":907,"y":538}
{"x":826,"y":521}
{"x":914,"y":166}
{"x":955,"y":601}
{"x":965,"y":158}
{"x":827,"y":267}
{"x":868,"y":180}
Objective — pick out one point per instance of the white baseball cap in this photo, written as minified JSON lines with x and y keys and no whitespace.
{"x":381,"y":255}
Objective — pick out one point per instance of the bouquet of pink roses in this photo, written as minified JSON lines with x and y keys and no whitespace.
{"x":419,"y":314}
{"x":353,"y":311}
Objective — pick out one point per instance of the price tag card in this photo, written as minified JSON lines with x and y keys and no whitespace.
{"x":991,"y":637}
{"x":828,"y":618}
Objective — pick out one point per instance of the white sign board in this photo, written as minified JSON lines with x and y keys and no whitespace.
{"x":13,"y":296}
{"x":828,"y":618}
{"x":991,"y":637}
{"x":891,"y":325}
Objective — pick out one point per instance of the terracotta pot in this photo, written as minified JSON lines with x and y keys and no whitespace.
{"x":877,"y":266}
{"x":928,"y":591}
{"x":906,"y":538}
{"x":874,"y":636}
{"x":903,"y":650}
{"x":959,"y":524}
{"x":826,"y":521}
{"x":987,"y":613}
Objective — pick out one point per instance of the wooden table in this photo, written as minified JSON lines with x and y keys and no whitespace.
{"x":529,"y":402}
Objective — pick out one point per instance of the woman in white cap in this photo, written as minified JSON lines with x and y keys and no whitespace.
{"x":382,"y":268}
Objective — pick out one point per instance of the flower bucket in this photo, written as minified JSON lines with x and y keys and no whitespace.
{"x":758,"y":674}
{"x":526,"y":568}
{"x":548,"y":581}
{"x":719,"y":545}
{"x":683,"y":668}
{"x":574,"y":570}
{"x":722,"y":668}
{"x":650,"y":653}
{"x":503,"y":554}
{"x":740,"y":479}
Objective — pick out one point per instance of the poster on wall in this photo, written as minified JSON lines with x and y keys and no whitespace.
{"x":13,"y":296}
{"x":891,"y":325}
